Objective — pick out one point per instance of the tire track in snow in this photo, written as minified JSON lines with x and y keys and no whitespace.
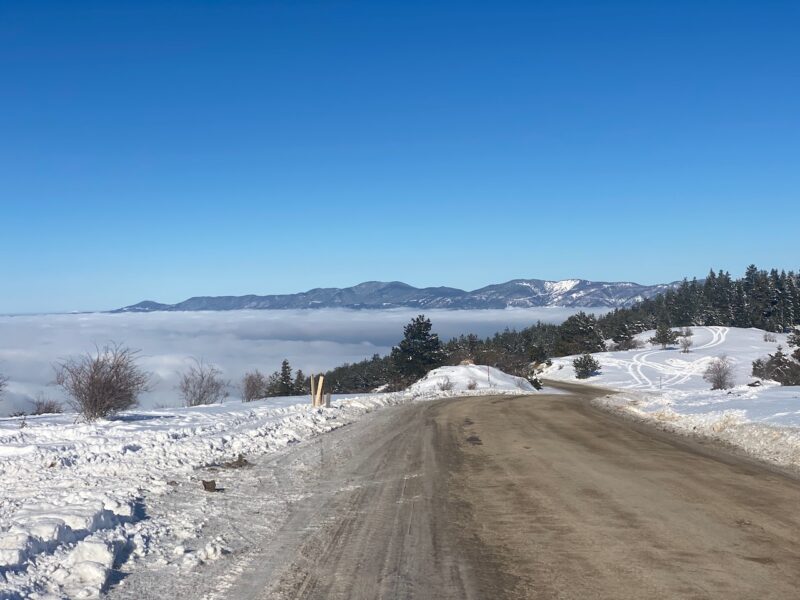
{"x":682,"y":375}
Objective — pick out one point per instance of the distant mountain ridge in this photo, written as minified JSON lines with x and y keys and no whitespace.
{"x":518,"y":293}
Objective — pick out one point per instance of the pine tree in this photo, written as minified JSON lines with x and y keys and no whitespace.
{"x":418,"y":352}
{"x":287,"y":387}
{"x":274,"y":385}
{"x":579,"y":334}
{"x":664,"y":336}
{"x":623,"y":338}
{"x":794,"y":342}
{"x":585,"y":366}
{"x":300,"y":385}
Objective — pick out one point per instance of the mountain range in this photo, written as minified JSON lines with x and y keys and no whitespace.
{"x":518,"y":293}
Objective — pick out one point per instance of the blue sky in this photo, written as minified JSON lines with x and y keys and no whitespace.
{"x":163,"y":149}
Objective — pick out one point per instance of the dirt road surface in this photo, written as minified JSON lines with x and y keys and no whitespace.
{"x":545,"y":497}
{"x":540,"y":497}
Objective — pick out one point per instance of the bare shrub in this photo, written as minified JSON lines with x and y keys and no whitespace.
{"x":254,"y":386}
{"x":686,"y":332}
{"x":445,"y":385}
{"x":770,"y":337}
{"x":43,"y":405}
{"x":685,"y":343}
{"x":719,"y":374}
{"x":202,"y":384}
{"x":101,"y":384}
{"x":3,"y":383}
{"x":472,"y":384}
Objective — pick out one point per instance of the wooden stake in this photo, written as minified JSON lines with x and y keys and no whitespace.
{"x":319,"y":390}
{"x":313,"y":397}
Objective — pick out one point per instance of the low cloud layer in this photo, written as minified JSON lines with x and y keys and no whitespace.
{"x":313,"y":340}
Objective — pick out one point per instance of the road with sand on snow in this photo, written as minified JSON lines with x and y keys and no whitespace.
{"x":541,"y":497}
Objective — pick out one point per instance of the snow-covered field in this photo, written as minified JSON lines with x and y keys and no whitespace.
{"x":667,"y":386}
{"x":74,"y":497}
{"x":235,"y":341}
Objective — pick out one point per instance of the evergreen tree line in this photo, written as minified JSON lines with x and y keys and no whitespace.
{"x":768,"y":300}
{"x":283,"y":382}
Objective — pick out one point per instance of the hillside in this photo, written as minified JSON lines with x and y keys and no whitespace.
{"x":667,"y":387}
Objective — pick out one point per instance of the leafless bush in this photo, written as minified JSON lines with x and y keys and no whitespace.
{"x":770,"y":337}
{"x":254,"y":386}
{"x":686,"y":332}
{"x":472,"y":384}
{"x":3,"y":383}
{"x":43,"y":405}
{"x":202,"y":384}
{"x":719,"y":374}
{"x":101,"y":384}
{"x":686,"y":344}
{"x":445,"y":385}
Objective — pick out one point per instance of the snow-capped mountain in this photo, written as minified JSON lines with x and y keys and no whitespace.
{"x":523,"y":293}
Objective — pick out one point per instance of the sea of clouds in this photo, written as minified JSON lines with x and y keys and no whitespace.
{"x":235,"y":341}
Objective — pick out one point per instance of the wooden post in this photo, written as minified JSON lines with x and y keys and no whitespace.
{"x":319,"y":390}
{"x":327,"y":400}
{"x":313,"y":397}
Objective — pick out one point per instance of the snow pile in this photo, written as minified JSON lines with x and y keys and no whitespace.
{"x":465,"y":378}
{"x":667,"y":387}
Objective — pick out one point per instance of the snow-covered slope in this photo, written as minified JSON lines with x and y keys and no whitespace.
{"x":464,"y":378}
{"x":667,"y":386}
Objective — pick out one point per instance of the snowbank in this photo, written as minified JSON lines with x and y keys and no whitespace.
{"x":667,"y":387}
{"x":74,"y":497}
{"x":464,"y":378}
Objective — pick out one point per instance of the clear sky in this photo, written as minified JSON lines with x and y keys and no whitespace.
{"x":162,"y":150}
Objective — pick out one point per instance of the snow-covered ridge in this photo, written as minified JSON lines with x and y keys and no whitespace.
{"x":667,"y":387}
{"x":525,"y":293}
